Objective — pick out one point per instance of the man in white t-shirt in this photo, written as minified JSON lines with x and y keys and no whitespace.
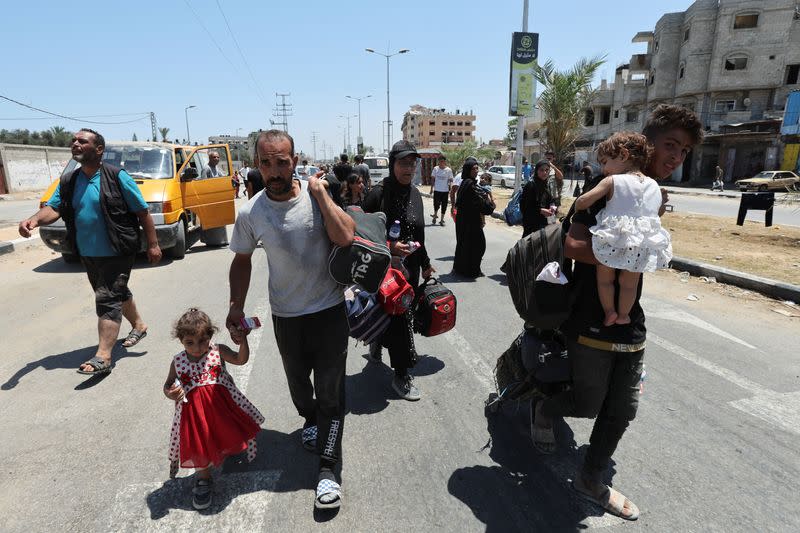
{"x":296,"y":222}
{"x":442,"y":179}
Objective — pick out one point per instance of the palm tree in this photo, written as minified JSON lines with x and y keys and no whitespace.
{"x":164,"y":132}
{"x":61,"y":137}
{"x":564,"y":100}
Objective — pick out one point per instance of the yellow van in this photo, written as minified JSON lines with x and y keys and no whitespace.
{"x":189,"y":197}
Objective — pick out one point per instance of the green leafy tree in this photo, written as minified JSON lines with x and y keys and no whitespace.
{"x":164,"y":132}
{"x":456,"y":154}
{"x":563,"y":102}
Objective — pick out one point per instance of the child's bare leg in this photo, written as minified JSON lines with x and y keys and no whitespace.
{"x":605,"y":291}
{"x":628,"y":283}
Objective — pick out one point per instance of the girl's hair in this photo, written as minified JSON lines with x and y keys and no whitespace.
{"x":351,"y":181}
{"x":639,"y":150}
{"x":193,"y":322}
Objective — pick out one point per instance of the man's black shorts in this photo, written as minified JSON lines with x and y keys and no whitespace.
{"x":109,"y":277}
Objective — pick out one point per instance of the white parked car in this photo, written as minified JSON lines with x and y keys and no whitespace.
{"x":503,"y":175}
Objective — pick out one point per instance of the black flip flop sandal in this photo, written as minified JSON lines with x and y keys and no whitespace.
{"x":133,"y":338}
{"x":100,"y":366}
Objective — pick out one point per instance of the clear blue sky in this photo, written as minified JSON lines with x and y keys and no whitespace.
{"x":111,"y":58}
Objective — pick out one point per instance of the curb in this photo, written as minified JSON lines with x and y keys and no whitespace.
{"x":7,"y":247}
{"x":768,"y":287}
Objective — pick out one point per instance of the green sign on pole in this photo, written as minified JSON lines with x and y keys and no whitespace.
{"x":524,"y":51}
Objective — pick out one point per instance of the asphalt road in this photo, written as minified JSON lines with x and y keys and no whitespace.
{"x":714,"y":447}
{"x":783,"y":214}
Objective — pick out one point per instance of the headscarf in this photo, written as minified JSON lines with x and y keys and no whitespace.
{"x":540,"y":164}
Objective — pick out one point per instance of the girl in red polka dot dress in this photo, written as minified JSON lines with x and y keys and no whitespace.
{"x":213,"y":419}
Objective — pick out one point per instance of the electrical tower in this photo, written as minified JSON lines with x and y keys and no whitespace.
{"x":282,"y":111}
{"x":314,"y":143}
{"x":153,"y":125}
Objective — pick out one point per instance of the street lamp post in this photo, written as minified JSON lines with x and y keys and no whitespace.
{"x":186,"y":114}
{"x":348,"y":148}
{"x":388,"y":115}
{"x":359,"y":141}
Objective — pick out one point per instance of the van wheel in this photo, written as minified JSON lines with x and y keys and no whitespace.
{"x":179,"y":250}
{"x":215,"y":236}
{"x":70,"y":258}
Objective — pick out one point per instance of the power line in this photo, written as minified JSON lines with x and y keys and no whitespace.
{"x":211,"y":36}
{"x":241,"y":54}
{"x":77,"y":119}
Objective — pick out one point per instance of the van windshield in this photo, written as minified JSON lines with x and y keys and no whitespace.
{"x":149,"y":162}
{"x":375,"y":163}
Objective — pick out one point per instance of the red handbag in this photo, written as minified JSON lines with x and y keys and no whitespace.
{"x":395,"y":293}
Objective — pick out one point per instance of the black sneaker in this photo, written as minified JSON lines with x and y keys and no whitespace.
{"x":405,"y":388}
{"x":201,"y":494}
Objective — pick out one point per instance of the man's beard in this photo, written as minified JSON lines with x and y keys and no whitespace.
{"x":278,"y":186}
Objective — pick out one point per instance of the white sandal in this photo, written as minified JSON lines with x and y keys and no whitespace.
{"x":329,"y":495}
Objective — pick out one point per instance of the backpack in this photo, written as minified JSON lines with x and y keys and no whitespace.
{"x":367,"y":259}
{"x":536,"y":365}
{"x":540,"y":304}
{"x":435,"y":310}
{"x":395,"y":293}
{"x":512,"y":213}
{"x":365,"y":316}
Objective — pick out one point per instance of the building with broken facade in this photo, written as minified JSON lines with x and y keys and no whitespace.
{"x":733,"y":62}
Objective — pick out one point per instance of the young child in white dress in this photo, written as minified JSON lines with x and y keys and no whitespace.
{"x":628,"y":237}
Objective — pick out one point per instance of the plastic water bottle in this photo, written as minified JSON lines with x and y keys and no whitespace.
{"x":552,"y":218}
{"x":394,"y":231}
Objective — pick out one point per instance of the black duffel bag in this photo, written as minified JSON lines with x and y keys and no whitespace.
{"x":366,"y":261}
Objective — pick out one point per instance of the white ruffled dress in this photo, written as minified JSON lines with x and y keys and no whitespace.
{"x":628,"y":234}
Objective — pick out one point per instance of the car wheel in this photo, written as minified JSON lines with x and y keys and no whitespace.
{"x":503,"y":183}
{"x":797,"y":186}
{"x":179,"y":250}
{"x":70,"y":258}
{"x":762,"y":188}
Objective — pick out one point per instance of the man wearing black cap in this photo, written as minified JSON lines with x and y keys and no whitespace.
{"x":396,"y":197}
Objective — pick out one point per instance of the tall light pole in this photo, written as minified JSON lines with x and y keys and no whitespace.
{"x":347,"y":147}
{"x":388,"y":115}
{"x":186,"y":114}
{"x":359,"y":141}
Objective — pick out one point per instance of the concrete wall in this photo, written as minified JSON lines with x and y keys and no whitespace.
{"x":32,"y":168}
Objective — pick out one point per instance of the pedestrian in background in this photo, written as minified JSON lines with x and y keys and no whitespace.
{"x":353,"y":191}
{"x":106,"y":242}
{"x":607,"y":361}
{"x":526,"y":171}
{"x":213,"y":419}
{"x":472,"y":203}
{"x":297,"y":222}
{"x":254,"y":182}
{"x":362,"y":169}
{"x":440,"y":188}
{"x":399,"y":200}
{"x":537,"y":200}
{"x":555,"y":178}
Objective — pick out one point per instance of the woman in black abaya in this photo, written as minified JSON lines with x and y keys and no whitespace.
{"x":472,"y":201}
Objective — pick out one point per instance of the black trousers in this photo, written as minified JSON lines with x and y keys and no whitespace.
{"x":109,"y":278}
{"x":440,"y":199}
{"x":317,"y":343}
{"x":606,"y":386}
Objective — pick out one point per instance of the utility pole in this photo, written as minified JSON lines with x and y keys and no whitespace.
{"x":282,"y":111}
{"x":153,"y":125}
{"x":521,"y":119}
{"x":314,"y":143}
